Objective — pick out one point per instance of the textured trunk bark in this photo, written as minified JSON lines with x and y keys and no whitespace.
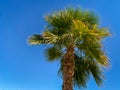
{"x":68,"y":69}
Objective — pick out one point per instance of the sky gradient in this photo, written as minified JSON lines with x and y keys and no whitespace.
{"x":25,"y":67}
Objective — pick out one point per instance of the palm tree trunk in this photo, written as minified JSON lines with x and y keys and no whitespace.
{"x":68,"y":69}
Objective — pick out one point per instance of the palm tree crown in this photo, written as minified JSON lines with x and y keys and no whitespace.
{"x":81,"y":30}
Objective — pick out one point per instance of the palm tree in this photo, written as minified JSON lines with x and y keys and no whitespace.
{"x":75,"y":38}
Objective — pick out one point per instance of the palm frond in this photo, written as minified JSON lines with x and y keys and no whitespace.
{"x":81,"y":72}
{"x":94,"y":51}
{"x":96,"y":72}
{"x":36,"y":39}
{"x":49,"y":37}
{"x":53,"y":53}
{"x":90,"y":19}
{"x":83,"y":68}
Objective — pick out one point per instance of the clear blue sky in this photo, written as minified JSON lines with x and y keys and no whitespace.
{"x":25,"y":67}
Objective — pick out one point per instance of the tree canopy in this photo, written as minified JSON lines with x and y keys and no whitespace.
{"x":82,"y":30}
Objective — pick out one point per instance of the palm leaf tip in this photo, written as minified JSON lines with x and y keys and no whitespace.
{"x":53,"y":53}
{"x":35,"y":39}
{"x":97,"y":73}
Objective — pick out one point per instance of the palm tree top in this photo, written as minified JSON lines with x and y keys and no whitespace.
{"x":70,"y":22}
{"x":80,"y":29}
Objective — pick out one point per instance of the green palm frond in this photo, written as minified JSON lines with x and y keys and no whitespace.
{"x":59,"y":20}
{"x":53,"y":53}
{"x":92,"y":49}
{"x":104,"y":32}
{"x":96,"y":72}
{"x":83,"y":69}
{"x":36,"y":39}
{"x":49,"y":37}
{"x":81,"y":72}
{"x":76,"y":14}
{"x":65,"y":39}
{"x":90,"y":18}
{"x":80,"y":29}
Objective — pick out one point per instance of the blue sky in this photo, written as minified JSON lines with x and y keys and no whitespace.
{"x":25,"y":67}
